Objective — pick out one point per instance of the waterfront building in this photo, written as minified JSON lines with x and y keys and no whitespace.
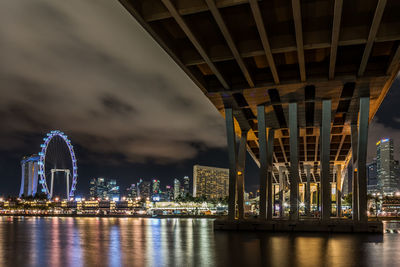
{"x":132,"y":191}
{"x":144,"y":191}
{"x":177,"y":189}
{"x":169,"y":193}
{"x":210,"y":182}
{"x":113,"y":190}
{"x":186,"y":185}
{"x":156,"y":187}
{"x":29,"y":177}
{"x":104,"y":189}
{"x":372,"y":177}
{"x":386,"y":167}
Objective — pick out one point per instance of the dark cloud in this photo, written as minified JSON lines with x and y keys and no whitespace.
{"x":87,"y":68}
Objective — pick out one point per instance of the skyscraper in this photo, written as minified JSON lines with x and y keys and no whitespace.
{"x":186,"y":185}
{"x":169,"y":193}
{"x":372,"y":177}
{"x":104,"y":189}
{"x":144,"y":191}
{"x":387,"y":180}
{"x":113,"y":190}
{"x":132,"y":191}
{"x":29,"y":177}
{"x":210,"y":182}
{"x":156,"y":187}
{"x":177,"y":189}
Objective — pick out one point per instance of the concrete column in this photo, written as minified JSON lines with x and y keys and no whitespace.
{"x":362,"y":158}
{"x":231,"y":138}
{"x":294,"y":162}
{"x":319,"y":197}
{"x":307,"y":191}
{"x":240,"y":173}
{"x":270,"y":151}
{"x":339,"y":190}
{"x":282,"y":183}
{"x":354,"y":145}
{"x":262,"y":141}
{"x":325,"y":157}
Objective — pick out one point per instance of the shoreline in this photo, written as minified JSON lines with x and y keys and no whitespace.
{"x":115,"y":216}
{"x":371,"y":219}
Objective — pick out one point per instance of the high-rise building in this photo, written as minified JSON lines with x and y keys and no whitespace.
{"x":169,"y":193}
{"x":177,"y":189}
{"x":372,"y":177}
{"x":372,"y":173}
{"x":132,"y":191}
{"x":29,"y":177}
{"x":113,"y":190}
{"x":156,"y":187}
{"x":104,"y":189}
{"x":144,"y":191}
{"x":387,"y":180}
{"x":210,"y":182}
{"x":186,"y":185}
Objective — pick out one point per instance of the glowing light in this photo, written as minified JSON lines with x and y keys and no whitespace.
{"x":302,"y":204}
{"x":384,"y":140}
{"x":239,"y":173}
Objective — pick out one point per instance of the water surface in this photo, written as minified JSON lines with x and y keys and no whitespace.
{"x":31,"y":241}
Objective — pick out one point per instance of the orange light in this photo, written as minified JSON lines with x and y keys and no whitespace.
{"x":239,"y":173}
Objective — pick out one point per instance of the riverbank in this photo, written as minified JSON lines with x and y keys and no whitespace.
{"x":112,"y":216}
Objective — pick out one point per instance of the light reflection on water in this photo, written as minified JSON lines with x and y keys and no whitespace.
{"x":29,"y":241}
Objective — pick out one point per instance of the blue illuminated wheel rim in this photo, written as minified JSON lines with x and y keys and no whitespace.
{"x":42,"y":160}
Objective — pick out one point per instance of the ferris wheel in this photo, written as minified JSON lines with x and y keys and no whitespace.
{"x":57,"y":156}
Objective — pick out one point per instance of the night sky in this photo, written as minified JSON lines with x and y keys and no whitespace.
{"x":88,"y":69}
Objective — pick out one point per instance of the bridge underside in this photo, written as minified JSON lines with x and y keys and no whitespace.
{"x":297,"y":82}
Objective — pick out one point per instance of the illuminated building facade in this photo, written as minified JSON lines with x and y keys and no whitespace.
{"x":156,"y":187}
{"x":144,"y":191}
{"x":132,"y":191}
{"x":104,"y":189}
{"x":372,"y":177}
{"x":29,"y":177}
{"x":177,"y":189}
{"x":210,"y":182}
{"x":186,"y":185}
{"x":386,"y":167}
{"x":169,"y":193}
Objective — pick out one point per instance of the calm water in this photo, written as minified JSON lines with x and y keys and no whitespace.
{"x":180,"y":242}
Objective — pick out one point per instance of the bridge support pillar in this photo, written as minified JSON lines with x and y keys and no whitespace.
{"x":307,"y":191}
{"x":339,"y":190}
{"x":294,"y":162}
{"x":262,"y":141}
{"x":270,"y":151}
{"x":231,"y":139}
{"x":240,"y":173}
{"x":325,"y":158}
{"x":354,"y":145}
{"x":282,"y":183}
{"x":362,"y":158}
